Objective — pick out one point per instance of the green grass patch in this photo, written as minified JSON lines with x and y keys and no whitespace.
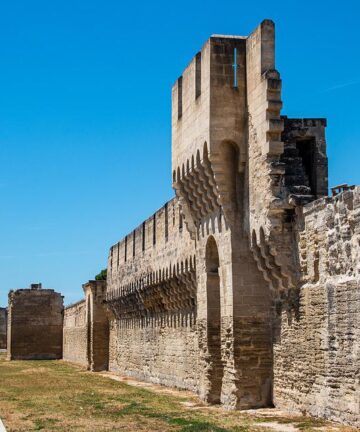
{"x":55,"y":396}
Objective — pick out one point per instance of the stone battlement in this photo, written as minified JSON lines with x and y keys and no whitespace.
{"x":147,"y":256}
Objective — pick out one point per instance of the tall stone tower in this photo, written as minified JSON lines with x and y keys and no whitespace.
{"x":198,"y":291}
{"x":240,"y":171}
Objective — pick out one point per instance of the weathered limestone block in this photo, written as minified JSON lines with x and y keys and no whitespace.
{"x":35,"y":324}
{"x":97,"y":325}
{"x":86,"y":329}
{"x":3,"y":328}
{"x":75,"y":334}
{"x":317,"y":353}
{"x":162,"y":349}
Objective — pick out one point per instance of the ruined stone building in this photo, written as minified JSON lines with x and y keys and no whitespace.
{"x":35,"y":324}
{"x":244,"y":288}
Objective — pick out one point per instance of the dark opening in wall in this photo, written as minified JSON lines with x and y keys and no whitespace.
{"x":180,"y":98}
{"x":216,"y":372}
{"x":118,"y":254}
{"x":306,"y":149}
{"x":180,"y":220}
{"x":198,"y":75}
{"x":154,"y":229}
{"x":125,"y":248}
{"x":143,"y":236}
{"x":134,"y":239}
{"x":166,"y":222}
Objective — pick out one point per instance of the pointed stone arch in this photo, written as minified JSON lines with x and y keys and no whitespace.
{"x":216,"y":367}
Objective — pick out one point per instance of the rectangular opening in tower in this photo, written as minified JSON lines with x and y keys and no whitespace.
{"x":180,"y":98}
{"x":198,"y":75}
{"x":306,"y":149}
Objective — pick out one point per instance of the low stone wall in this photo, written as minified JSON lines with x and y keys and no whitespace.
{"x":3,"y":328}
{"x":162,"y":350}
{"x":317,"y":354}
{"x":75,"y":334}
{"x":35,"y":324}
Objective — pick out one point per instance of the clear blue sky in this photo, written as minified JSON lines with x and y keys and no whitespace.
{"x":85,"y":115}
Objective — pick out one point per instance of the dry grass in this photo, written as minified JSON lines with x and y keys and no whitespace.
{"x":55,"y":396}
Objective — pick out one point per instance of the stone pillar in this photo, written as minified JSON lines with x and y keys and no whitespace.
{"x":234,"y":324}
{"x":97,"y":326}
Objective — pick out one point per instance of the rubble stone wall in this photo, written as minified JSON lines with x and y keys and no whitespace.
{"x":35,"y":324}
{"x":3,"y":327}
{"x":317,"y":353}
{"x":75,"y":334}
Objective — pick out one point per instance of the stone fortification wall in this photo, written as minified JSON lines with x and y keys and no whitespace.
{"x":161,"y":245}
{"x":317,"y":353}
{"x":75,"y":334}
{"x":162,"y":350}
{"x":35,"y":324}
{"x":86,"y":329}
{"x":3,"y":327}
{"x":151,"y":294}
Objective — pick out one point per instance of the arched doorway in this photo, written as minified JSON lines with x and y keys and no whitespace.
{"x":216,"y":368}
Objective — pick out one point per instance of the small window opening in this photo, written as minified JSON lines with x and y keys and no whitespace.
{"x":235,"y":67}
{"x":306,"y":149}
{"x":154,"y":229}
{"x":180,"y":98}
{"x":126,"y":248}
{"x":143,"y":236}
{"x":166,"y":222}
{"x":134,"y":239}
{"x":180,"y":220}
{"x":198,"y":75}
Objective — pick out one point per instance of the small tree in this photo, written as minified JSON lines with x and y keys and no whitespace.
{"x":102,"y":275}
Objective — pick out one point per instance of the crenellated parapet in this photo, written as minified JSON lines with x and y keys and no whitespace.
{"x":148,"y":274}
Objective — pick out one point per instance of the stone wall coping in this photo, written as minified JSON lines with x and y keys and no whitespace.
{"x":321,"y":203}
{"x":73,"y":305}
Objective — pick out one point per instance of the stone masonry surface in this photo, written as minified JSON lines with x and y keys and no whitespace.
{"x":316,"y":353}
{"x":244,"y":288}
{"x":35,"y":324}
{"x":75,"y":333}
{"x":3,"y":328}
{"x":86,"y":329}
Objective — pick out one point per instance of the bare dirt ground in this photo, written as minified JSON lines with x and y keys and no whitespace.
{"x":57,"y":396}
